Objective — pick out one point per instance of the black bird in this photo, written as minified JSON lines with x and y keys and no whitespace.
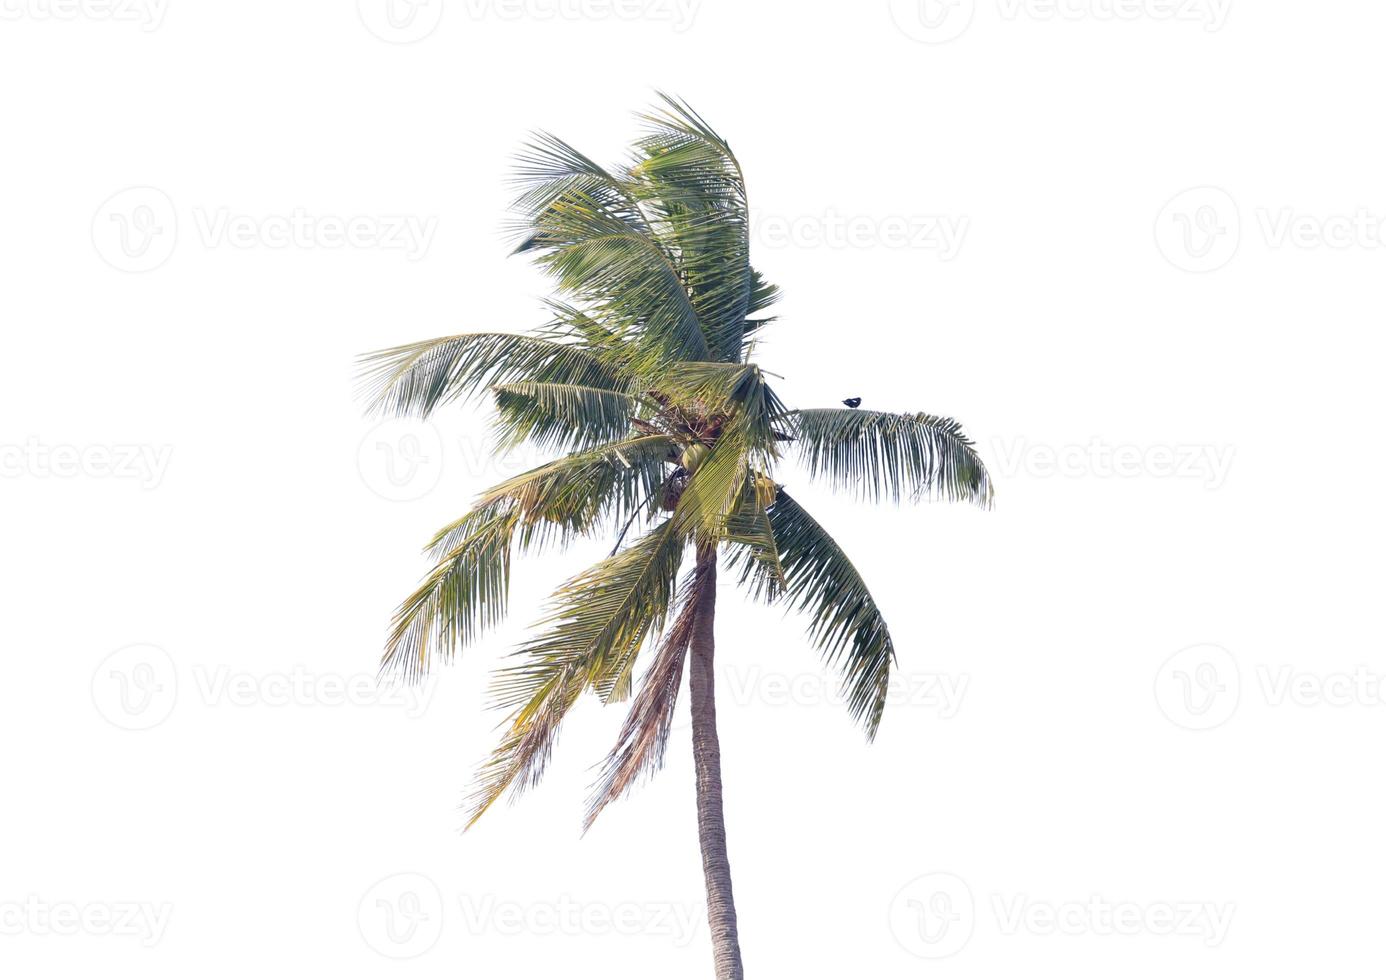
{"x":851,"y":402}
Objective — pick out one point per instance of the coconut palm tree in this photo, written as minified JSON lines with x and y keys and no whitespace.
{"x":666,"y":432}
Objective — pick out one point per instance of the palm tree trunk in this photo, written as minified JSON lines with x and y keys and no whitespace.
{"x":707,"y":759}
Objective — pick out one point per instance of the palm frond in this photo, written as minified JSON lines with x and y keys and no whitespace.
{"x":763,"y":294}
{"x":731,"y":394}
{"x":688,"y":179}
{"x":586,"y":490}
{"x":599,"y":619}
{"x":715,"y":386}
{"x":879,"y":454}
{"x":605,"y":341}
{"x":464,"y":594}
{"x":518,"y":762}
{"x":612,"y":264}
{"x":749,"y":528}
{"x":562,"y":417}
{"x":712,"y":491}
{"x":641,"y":743}
{"x":549,"y":170}
{"x":414,"y":379}
{"x":844,"y":621}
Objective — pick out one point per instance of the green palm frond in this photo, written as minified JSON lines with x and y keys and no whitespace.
{"x":750,"y":529}
{"x":599,"y":621}
{"x":640,"y":745}
{"x":466,"y":592}
{"x":562,"y":416}
{"x":715,"y":486}
{"x":414,"y":379}
{"x":550,"y":170}
{"x":518,"y":762}
{"x":844,"y":621}
{"x":731,"y":395}
{"x":716,"y":386}
{"x":879,"y":454}
{"x":613,"y":265}
{"x":608,"y":343}
{"x":585,"y":490}
{"x":763,"y":294}
{"x":686,"y":175}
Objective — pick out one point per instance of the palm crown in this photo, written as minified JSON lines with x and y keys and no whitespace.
{"x":666,"y":434}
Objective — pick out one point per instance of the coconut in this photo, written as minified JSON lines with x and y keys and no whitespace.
{"x":693,"y":457}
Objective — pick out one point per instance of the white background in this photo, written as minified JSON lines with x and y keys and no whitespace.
{"x":1177,"y":393}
